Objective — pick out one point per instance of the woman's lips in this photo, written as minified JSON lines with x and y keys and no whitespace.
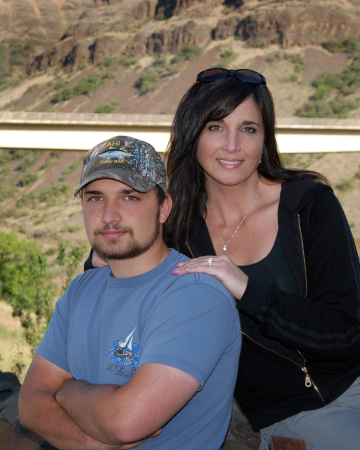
{"x":229,"y":164}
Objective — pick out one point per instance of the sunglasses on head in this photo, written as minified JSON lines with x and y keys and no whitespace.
{"x":245,"y":75}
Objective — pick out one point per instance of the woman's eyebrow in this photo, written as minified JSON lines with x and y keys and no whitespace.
{"x":251,"y":122}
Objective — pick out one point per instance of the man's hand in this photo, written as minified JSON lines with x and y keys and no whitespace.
{"x":98,"y":261}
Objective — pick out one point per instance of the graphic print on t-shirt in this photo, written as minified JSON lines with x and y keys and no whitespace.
{"x":125,"y":351}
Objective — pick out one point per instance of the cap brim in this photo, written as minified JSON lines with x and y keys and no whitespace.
{"x":128,"y":177}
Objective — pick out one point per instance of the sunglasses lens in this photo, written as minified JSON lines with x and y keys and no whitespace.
{"x":248,"y":76}
{"x":213,"y":74}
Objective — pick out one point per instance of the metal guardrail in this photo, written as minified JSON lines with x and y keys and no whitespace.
{"x":157,"y":120}
{"x":81,"y":131}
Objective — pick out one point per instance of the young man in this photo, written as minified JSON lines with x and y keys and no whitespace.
{"x":133,"y":351}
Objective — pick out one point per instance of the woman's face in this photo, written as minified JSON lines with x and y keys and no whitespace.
{"x":229,"y":150}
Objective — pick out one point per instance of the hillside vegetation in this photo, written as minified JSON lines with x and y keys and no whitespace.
{"x":141,"y":56}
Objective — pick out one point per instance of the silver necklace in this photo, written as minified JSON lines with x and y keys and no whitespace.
{"x":242,"y":220}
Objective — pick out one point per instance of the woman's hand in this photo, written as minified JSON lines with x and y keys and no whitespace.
{"x":233,"y":278}
{"x":98,"y":261}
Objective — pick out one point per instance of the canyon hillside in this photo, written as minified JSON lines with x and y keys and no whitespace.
{"x":140,"y":56}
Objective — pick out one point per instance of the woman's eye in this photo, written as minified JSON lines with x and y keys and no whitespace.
{"x":214,"y":127}
{"x":249,"y":130}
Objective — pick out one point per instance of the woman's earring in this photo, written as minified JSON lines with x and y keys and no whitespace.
{"x":259,"y":162}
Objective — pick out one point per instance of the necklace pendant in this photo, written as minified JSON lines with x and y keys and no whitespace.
{"x":224,"y":248}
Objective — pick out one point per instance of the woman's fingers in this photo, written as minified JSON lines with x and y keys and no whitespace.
{"x":233,"y":278}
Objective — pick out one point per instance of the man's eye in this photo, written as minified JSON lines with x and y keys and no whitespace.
{"x":95,"y":199}
{"x":131,"y":198}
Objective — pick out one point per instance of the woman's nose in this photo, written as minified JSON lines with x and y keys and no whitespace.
{"x":232,"y":143}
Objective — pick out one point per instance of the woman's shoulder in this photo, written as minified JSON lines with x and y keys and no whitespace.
{"x":296,"y":194}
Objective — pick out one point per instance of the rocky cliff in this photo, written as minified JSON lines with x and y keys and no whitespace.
{"x":76,"y":36}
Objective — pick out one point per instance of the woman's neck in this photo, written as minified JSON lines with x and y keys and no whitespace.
{"x":230,"y":202}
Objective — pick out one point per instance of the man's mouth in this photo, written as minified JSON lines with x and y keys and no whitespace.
{"x":113,"y":234}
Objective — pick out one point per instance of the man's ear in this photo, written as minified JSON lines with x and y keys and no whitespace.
{"x":165,"y":208}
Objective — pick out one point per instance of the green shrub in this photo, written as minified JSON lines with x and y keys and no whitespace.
{"x":7,"y":191}
{"x":24,"y":165}
{"x":108,"y":76}
{"x":69,"y":259}
{"x":187,"y":52}
{"x":28,"y":178}
{"x":5,"y":170}
{"x":51,"y":160}
{"x":349,"y":45}
{"x":85,"y":86}
{"x":298,"y":60}
{"x":124,"y":61}
{"x":226,"y":58}
{"x":71,"y":169}
{"x":346,"y":185}
{"x":29,"y":200}
{"x":159,"y":61}
{"x":108,"y":61}
{"x":275,"y":40}
{"x":50,"y":195}
{"x":54,"y":192}
{"x":147,"y":81}
{"x":15,"y":213}
{"x":107,"y":108}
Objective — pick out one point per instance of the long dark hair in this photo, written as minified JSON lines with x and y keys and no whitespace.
{"x":205,"y":102}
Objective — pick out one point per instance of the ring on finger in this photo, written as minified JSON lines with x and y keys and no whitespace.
{"x":210,"y":261}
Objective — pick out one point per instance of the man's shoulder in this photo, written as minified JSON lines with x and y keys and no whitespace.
{"x":201,"y":286}
{"x":90,"y":278}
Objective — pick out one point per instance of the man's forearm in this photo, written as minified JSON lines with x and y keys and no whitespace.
{"x":39,"y":412}
{"x":90,"y":406}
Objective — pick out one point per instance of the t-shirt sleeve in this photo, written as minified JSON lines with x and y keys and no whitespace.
{"x":53,"y":346}
{"x":191,"y":328}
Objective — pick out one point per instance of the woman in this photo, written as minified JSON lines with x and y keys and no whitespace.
{"x":279,"y":241}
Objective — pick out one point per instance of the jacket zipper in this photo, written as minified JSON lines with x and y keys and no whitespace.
{"x":191,"y":253}
{"x":308,"y":381}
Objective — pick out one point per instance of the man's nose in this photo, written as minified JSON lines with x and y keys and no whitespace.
{"x":111,"y":212}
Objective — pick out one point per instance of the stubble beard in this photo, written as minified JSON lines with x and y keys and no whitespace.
{"x":115,"y":250}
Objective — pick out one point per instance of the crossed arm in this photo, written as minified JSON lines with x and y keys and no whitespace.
{"x":73,"y":414}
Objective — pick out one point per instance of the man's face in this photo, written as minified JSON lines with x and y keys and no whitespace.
{"x":121,"y":223}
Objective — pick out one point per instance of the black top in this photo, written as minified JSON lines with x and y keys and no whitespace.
{"x":273,"y":269}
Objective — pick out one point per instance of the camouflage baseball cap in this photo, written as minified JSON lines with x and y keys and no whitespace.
{"x":123,"y":158}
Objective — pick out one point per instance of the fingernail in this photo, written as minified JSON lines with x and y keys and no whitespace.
{"x":180,"y":264}
{"x":175,"y":271}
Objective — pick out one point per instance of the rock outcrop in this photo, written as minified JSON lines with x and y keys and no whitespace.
{"x":78,"y":32}
{"x":289,"y":23}
{"x":9,"y":396}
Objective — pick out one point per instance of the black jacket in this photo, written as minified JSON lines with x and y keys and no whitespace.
{"x":299,"y":353}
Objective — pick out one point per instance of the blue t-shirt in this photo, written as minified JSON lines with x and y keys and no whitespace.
{"x":103,"y":328}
